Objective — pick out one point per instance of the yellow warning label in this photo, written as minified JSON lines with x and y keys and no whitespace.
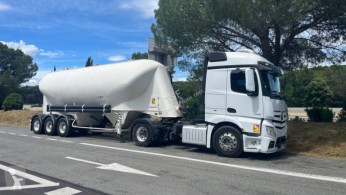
{"x":256,"y":128}
{"x":153,"y":101}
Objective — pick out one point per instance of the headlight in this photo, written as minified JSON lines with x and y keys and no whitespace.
{"x":270,"y":131}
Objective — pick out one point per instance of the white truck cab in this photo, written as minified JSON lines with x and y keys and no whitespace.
{"x":244,"y":109}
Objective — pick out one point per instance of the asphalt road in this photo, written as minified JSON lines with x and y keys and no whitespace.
{"x":92,"y":164}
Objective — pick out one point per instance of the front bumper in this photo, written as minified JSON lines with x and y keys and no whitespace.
{"x":265,"y":143}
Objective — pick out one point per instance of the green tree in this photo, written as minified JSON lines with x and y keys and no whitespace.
{"x":13,"y":101}
{"x":89,"y":62}
{"x":294,"y":84}
{"x":139,"y":55}
{"x":288,"y":33}
{"x":31,"y":95}
{"x":15,"y":68}
{"x":318,"y":93}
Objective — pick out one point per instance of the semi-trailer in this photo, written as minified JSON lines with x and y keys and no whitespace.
{"x":244,"y":110}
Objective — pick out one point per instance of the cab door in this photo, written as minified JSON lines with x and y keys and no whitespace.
{"x":240,"y":103}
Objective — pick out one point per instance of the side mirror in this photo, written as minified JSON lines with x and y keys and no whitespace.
{"x":250,"y":80}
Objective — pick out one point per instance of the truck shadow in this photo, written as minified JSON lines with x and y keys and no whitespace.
{"x":194,"y":148}
{"x":281,"y":155}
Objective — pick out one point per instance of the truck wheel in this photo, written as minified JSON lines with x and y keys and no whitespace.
{"x":49,"y":126}
{"x":64,"y":128}
{"x":227,"y":141}
{"x":37,"y":125}
{"x":142,"y":134}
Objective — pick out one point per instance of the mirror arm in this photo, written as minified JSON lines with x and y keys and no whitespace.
{"x":252,"y":93}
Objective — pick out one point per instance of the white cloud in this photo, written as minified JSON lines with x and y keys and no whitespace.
{"x":52,"y":54}
{"x":144,"y":7}
{"x":36,"y":79}
{"x":30,"y":50}
{"x":4,"y":7}
{"x":116,"y":58}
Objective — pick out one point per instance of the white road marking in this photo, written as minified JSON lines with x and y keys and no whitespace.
{"x":66,"y":141}
{"x":12,"y":133}
{"x":64,"y":191}
{"x":114,"y":167}
{"x":265,"y":170}
{"x":42,"y":182}
{"x":23,"y":135}
{"x":36,"y":137}
{"x":86,"y":161}
{"x":2,"y":132}
{"x":52,"y":139}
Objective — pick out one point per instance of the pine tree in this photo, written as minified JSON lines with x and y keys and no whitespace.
{"x":89,"y":62}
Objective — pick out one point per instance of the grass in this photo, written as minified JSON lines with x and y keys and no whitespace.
{"x":309,"y":138}
{"x":317,"y":139}
{"x":16,"y":117}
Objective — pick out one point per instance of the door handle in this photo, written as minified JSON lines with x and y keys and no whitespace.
{"x":231,"y":110}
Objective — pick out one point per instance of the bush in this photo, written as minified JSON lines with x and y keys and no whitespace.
{"x":327,"y":115}
{"x":297,"y":119}
{"x":14,"y":101}
{"x":319,"y":114}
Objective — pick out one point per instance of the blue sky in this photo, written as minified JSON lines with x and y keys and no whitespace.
{"x":65,"y":32}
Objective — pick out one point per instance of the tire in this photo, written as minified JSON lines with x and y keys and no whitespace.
{"x":227,"y":141}
{"x":142,"y":134}
{"x":36,"y":125}
{"x":64,"y":128}
{"x":49,"y":126}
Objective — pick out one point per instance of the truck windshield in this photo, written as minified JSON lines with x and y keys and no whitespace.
{"x":271,"y":84}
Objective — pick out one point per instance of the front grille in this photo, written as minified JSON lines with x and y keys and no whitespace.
{"x":280,"y":115}
{"x":280,"y":141}
{"x":279,"y":121}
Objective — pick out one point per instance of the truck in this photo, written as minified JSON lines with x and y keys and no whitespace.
{"x":244,"y":110}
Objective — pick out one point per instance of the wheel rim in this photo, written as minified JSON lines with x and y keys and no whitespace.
{"x":37,"y":125}
{"x":62,"y":127}
{"x":142,"y":134}
{"x":49,"y":126}
{"x":228,"y":141}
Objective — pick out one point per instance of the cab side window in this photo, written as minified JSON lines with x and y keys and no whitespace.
{"x":238,"y":81}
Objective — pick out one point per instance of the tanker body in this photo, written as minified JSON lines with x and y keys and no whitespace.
{"x":136,"y":97}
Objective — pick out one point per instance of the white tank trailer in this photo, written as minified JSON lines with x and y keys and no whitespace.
{"x":137,"y":98}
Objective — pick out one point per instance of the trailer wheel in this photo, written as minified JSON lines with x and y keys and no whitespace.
{"x":64,"y":128}
{"x":142,"y":134}
{"x":227,"y":141}
{"x":36,"y":125}
{"x":49,"y":126}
